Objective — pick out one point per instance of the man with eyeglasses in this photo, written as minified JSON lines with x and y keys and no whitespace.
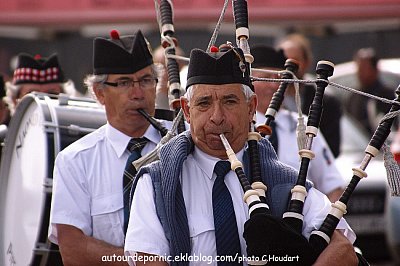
{"x":88,"y":207}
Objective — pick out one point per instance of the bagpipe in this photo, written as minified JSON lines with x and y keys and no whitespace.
{"x":320,"y":239}
{"x":268,"y":235}
{"x":264,"y":233}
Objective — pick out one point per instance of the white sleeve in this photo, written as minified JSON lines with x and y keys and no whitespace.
{"x":70,"y":199}
{"x":145,"y":233}
{"x":323,"y":171}
{"x":316,"y":208}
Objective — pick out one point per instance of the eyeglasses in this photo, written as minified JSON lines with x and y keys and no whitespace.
{"x":145,"y":83}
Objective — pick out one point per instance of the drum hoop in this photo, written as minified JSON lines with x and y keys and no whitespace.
{"x":38,"y":254}
{"x":54,"y":120}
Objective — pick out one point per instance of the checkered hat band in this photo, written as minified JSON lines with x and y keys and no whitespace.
{"x":26,"y":74}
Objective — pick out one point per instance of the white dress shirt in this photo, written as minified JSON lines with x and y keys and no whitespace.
{"x":87,"y":188}
{"x":322,"y":170}
{"x":145,"y":233}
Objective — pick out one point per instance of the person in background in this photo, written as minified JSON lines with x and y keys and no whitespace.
{"x":162,"y":91}
{"x":36,"y":74}
{"x":4,"y":115}
{"x":322,"y":170}
{"x":4,"y":110}
{"x":176,"y":201}
{"x":296,"y":46}
{"x":90,"y":205}
{"x":368,"y":112}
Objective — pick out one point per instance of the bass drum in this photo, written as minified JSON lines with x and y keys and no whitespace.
{"x":41,"y":127}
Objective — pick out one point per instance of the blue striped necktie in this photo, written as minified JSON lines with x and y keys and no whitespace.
{"x":226,"y":232}
{"x":135,"y":147}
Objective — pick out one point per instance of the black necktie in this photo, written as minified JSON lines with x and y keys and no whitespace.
{"x":226,"y":232}
{"x":274,"y":137}
{"x":135,"y":147}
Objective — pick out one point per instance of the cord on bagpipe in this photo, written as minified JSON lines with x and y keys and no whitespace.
{"x":164,"y":11}
{"x":320,"y":238}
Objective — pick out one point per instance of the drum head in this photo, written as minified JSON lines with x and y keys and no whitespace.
{"x":22,"y":183}
{"x":33,"y":140}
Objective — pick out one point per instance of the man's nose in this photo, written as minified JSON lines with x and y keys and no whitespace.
{"x":135,"y":92}
{"x":217,"y":115}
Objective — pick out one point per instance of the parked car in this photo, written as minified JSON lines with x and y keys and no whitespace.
{"x":367,"y":207}
{"x":372,"y":212}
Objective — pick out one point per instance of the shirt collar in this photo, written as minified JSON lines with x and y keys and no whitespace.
{"x":260,"y":118}
{"x":207,"y":162}
{"x":119,"y":141}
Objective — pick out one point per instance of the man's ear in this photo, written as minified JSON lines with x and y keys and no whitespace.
{"x":252,"y":106}
{"x":99,"y":94}
{"x":14,"y":100}
{"x":185,"y":107}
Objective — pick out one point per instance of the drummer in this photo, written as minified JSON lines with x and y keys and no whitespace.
{"x":4,"y":111}
{"x":32,"y":74}
{"x":36,"y":74}
{"x":89,"y":206}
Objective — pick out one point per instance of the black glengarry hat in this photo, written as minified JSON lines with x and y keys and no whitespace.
{"x":217,"y":68}
{"x":37,"y":70}
{"x":265,"y":56}
{"x":121,"y":54}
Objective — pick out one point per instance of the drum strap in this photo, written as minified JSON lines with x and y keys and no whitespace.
{"x":135,"y":147}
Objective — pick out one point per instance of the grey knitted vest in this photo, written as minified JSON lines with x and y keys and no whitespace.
{"x":168,"y":196}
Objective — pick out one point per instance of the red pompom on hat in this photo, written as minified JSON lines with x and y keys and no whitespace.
{"x":121,"y":54}
{"x":214,"y":49}
{"x":114,"y":34}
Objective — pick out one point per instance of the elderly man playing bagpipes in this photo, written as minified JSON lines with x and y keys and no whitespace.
{"x":188,"y":208}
